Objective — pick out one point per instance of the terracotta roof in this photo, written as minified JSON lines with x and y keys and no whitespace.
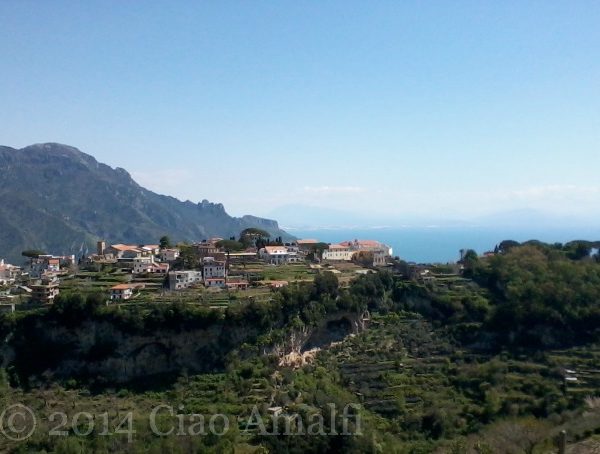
{"x":159,"y":265}
{"x":124,"y":247}
{"x":236,"y":280}
{"x":127,"y":286}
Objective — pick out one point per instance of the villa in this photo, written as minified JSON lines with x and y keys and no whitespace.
{"x":124,"y":291}
{"x":275,"y":255}
{"x":346,"y":250}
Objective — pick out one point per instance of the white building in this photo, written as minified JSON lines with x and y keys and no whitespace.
{"x":345,"y":251}
{"x":274,"y":255}
{"x":215,"y":282}
{"x":124,"y":251}
{"x":44,"y":264}
{"x":338,"y":252}
{"x":8,"y":273}
{"x":124,"y":291}
{"x":213,"y":269}
{"x":168,"y":255}
{"x":45,"y":290}
{"x":142,"y":265}
{"x":179,"y":280}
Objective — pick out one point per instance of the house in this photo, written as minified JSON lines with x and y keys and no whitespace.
{"x":124,"y":291}
{"x":274,"y":255}
{"x":207,"y":248}
{"x":294,"y":255}
{"x":212,"y":268}
{"x":338,"y":252}
{"x":168,"y":255}
{"x":215,"y":282}
{"x":150,"y":249}
{"x":124,"y":251}
{"x":277,"y":284}
{"x":48,"y":264}
{"x":148,"y":265}
{"x":45,"y":291}
{"x":346,"y":250}
{"x":306,"y":244}
{"x":179,"y":280}
{"x":140,"y":264}
{"x":237,"y":283}
{"x":8,"y":273}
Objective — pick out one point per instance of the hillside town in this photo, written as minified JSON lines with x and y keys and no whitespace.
{"x":214,"y":265}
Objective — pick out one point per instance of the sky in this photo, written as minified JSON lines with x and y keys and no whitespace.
{"x":384,"y":109}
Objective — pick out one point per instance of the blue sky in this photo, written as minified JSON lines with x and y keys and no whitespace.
{"x":389,"y":109}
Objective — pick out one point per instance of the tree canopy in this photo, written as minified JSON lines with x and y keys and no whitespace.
{"x":165,"y":242}
{"x":230,"y":245}
{"x":32,"y":253}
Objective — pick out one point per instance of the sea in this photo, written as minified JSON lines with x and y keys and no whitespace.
{"x":437,"y":244}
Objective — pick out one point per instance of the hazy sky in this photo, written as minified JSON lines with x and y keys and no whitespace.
{"x":435,"y":108}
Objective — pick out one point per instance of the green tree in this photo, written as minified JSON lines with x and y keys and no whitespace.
{"x":506,"y":245}
{"x":325,"y":283}
{"x":165,"y":242}
{"x":32,"y":253}
{"x":230,"y":245}
{"x":253,"y":237}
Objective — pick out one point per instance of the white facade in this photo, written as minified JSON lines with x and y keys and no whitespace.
{"x":215,"y":282}
{"x":148,"y":265}
{"x":168,"y":255}
{"x":183,"y":279}
{"x":140,"y":264}
{"x":124,"y":291}
{"x":336,"y":252}
{"x":213,"y":269}
{"x":274,"y":255}
{"x":346,"y":250}
{"x":8,"y":273}
{"x":49,"y":264}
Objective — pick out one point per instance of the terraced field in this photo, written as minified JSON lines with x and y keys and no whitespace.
{"x":419,"y":384}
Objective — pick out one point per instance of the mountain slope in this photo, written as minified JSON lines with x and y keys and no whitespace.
{"x":55,"y":198}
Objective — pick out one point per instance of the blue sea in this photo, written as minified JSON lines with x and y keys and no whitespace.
{"x":442,"y":244}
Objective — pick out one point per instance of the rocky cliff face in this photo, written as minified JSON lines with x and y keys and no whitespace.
{"x":56,"y":198}
{"x":104,"y":353}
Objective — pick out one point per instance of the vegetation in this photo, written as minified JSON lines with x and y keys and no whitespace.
{"x":253,"y":237}
{"x":231,"y":245}
{"x":499,"y":359}
{"x":32,"y":253}
{"x":164,"y":242}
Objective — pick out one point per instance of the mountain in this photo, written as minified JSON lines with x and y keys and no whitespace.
{"x":56,"y":198}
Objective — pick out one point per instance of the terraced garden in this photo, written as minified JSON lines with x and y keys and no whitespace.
{"x":422,"y":387}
